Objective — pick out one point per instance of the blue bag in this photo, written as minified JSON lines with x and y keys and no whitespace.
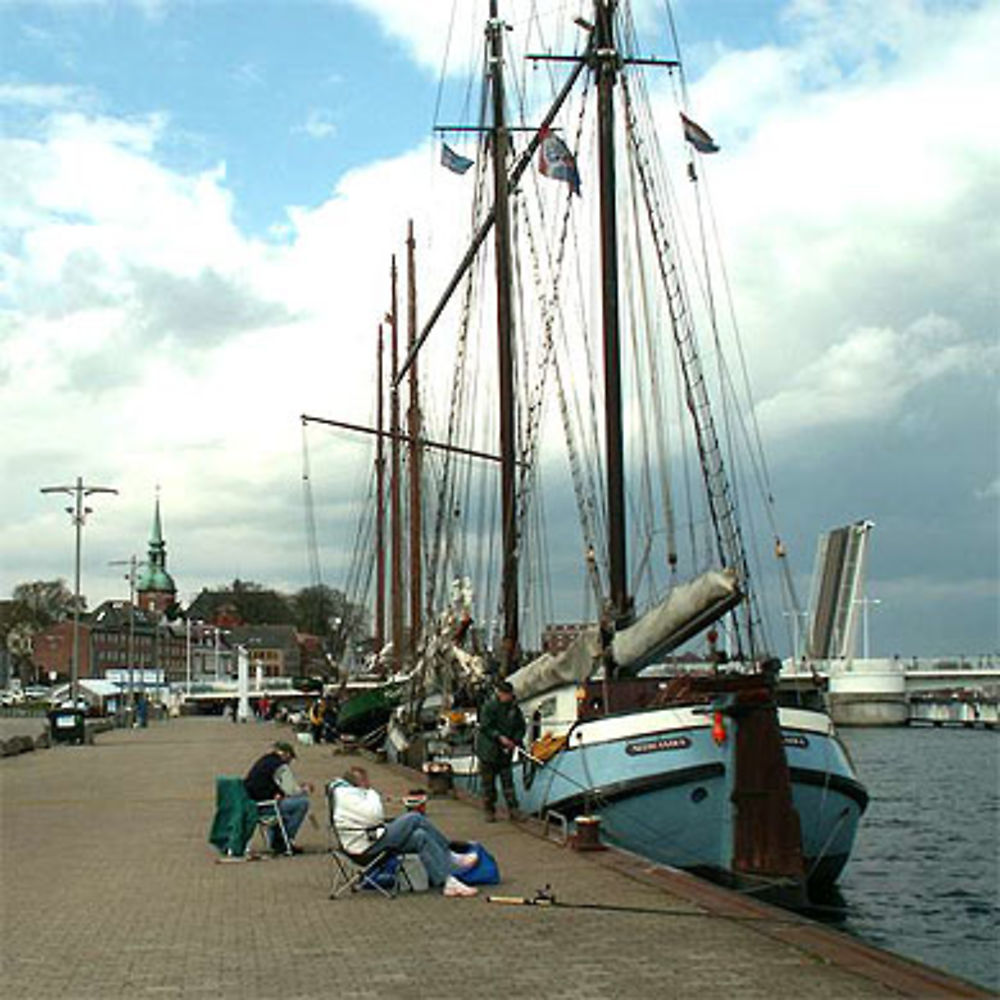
{"x":384,"y":875}
{"x":485,"y":871}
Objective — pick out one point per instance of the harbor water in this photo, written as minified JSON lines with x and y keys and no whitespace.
{"x":924,"y":878}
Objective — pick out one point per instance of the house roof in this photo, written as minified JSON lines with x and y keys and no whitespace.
{"x":264,"y":636}
{"x":95,"y":686}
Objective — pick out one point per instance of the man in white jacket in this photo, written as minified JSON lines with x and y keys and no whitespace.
{"x":359,"y":817}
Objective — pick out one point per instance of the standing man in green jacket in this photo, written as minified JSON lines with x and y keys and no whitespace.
{"x":501,"y":729}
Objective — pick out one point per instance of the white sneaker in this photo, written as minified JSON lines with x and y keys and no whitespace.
{"x":452,"y":887}
{"x":463,"y":862}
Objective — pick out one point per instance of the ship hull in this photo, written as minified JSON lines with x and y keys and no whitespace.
{"x":663,"y":785}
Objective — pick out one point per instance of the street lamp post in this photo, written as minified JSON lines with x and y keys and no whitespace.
{"x":865,"y":603}
{"x":78,"y":513}
{"x":799,"y":621}
{"x":133,"y":565}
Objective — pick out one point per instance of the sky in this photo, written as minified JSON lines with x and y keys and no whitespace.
{"x":199,"y":200}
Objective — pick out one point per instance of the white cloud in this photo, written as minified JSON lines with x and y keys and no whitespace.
{"x":990,"y":492}
{"x":144,"y":337}
{"x":319,"y":124}
{"x":867,"y":376}
{"x":40,"y":95}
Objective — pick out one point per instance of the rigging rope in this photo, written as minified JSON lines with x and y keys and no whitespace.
{"x":720,"y":497}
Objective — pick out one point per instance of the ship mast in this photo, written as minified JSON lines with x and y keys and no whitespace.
{"x":379,"y":499}
{"x":413,"y":426}
{"x":395,"y":495}
{"x":605,"y":65}
{"x":501,"y":233}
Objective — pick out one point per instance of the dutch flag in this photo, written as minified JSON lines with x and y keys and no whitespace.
{"x":697,"y":136}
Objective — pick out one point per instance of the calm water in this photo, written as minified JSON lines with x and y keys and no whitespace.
{"x":924,"y":878}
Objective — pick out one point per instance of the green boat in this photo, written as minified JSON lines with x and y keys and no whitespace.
{"x":368,"y":711}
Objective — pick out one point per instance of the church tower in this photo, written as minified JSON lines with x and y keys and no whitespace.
{"x":155,"y":590}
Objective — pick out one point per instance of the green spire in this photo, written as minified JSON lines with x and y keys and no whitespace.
{"x":155,"y":576}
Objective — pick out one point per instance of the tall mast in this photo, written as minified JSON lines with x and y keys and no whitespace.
{"x":501,"y":231}
{"x":605,"y":67}
{"x":396,"y":526}
{"x":379,"y":500}
{"x":413,"y":427}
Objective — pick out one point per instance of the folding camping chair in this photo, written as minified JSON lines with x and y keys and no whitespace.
{"x":271,"y":825}
{"x":237,"y":817}
{"x":384,"y":872}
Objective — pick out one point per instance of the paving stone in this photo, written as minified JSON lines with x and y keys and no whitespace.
{"x":109,"y":889}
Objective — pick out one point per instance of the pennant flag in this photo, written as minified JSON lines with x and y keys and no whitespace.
{"x":556,"y":161}
{"x":455,"y":162}
{"x":697,"y":136}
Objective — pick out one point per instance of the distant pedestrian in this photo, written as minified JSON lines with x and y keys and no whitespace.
{"x":501,"y":730}
{"x":317,"y":715}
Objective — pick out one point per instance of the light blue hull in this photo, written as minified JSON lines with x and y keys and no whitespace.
{"x":666,"y":795}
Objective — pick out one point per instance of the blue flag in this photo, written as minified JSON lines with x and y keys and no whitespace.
{"x":455,"y":162}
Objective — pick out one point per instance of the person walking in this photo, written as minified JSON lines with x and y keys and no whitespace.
{"x":501,"y":729}
{"x":271,"y":777}
{"x":317,"y":718}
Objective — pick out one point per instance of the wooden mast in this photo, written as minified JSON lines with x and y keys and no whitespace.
{"x":501,"y":231}
{"x":379,"y":499}
{"x":395,"y":512}
{"x":413,"y":427}
{"x":605,"y":67}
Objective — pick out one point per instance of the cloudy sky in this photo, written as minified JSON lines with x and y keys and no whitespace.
{"x":198,"y":203}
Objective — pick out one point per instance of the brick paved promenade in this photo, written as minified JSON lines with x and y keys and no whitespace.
{"x":109,"y":889}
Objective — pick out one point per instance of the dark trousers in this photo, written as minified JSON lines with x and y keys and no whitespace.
{"x":489,"y":773}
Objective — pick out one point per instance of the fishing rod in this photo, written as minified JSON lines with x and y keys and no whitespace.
{"x":547,"y":898}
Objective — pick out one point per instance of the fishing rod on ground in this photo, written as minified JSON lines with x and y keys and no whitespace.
{"x":547,"y":898}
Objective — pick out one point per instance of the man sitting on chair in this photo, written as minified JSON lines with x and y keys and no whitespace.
{"x":272,"y":778}
{"x":364,"y":833}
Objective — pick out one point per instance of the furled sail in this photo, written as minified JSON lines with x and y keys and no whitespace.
{"x":572,"y":666}
{"x":684,"y":612}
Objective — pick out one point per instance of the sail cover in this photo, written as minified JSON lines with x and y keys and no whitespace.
{"x":572,"y":666}
{"x":684,"y":612}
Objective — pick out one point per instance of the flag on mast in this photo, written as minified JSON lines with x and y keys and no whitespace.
{"x":697,"y":136}
{"x":556,"y":161}
{"x":455,"y":162}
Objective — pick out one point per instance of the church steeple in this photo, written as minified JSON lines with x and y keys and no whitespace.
{"x":156,"y":589}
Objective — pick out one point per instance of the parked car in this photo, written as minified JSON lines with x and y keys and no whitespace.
{"x":11,"y":698}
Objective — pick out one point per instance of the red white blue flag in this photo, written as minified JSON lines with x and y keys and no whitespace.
{"x":697,"y":136}
{"x":556,"y":161}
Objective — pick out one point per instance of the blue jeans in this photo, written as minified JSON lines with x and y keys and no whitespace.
{"x":293,"y":809}
{"x":413,"y":833}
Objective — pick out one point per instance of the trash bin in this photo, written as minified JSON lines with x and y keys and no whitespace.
{"x":66,"y":725}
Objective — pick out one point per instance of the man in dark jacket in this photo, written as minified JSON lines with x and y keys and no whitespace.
{"x":271,"y":778}
{"x":501,"y":729}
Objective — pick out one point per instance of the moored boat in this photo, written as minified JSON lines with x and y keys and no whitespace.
{"x":701,"y":770}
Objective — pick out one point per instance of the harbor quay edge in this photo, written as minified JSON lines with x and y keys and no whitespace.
{"x":109,"y":888}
